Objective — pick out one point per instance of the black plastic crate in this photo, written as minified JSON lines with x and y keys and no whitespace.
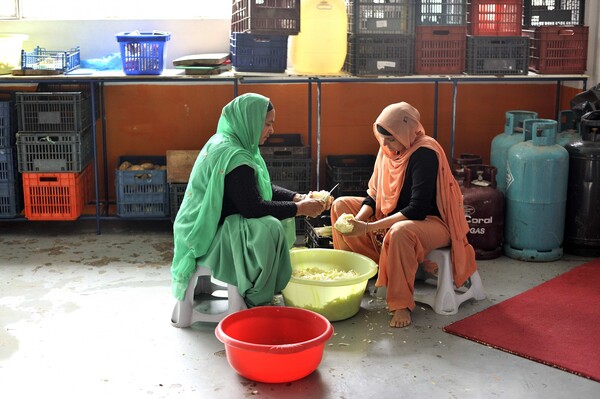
{"x":8,"y":170}
{"x":378,"y":17}
{"x":11,"y":199}
{"x":293,"y":174}
{"x":40,"y":112}
{"x":497,"y":55}
{"x":380,"y":55}
{"x":85,"y":88}
{"x":553,"y":12}
{"x":311,"y":236}
{"x":54,"y":152}
{"x":258,"y":53}
{"x":142,"y":193}
{"x":8,"y":123}
{"x":352,"y":172}
{"x":284,"y":145}
{"x":176,"y":193}
{"x":274,"y":17}
{"x":442,"y":12}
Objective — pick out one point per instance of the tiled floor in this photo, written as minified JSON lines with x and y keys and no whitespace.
{"x":84,"y":315}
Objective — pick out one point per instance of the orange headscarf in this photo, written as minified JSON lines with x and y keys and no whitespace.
{"x":402,"y":120}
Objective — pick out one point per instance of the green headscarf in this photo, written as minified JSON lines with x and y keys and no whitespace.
{"x":234,"y":144}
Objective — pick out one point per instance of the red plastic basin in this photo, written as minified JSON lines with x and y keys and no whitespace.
{"x":274,"y":344}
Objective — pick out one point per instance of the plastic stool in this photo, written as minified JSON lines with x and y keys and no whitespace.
{"x":213,"y":292}
{"x":446,"y":299}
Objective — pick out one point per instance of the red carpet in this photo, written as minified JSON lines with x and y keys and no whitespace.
{"x":556,"y":323}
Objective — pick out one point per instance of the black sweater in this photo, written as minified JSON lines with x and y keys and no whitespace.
{"x":417,"y":197}
{"x":241,"y":196}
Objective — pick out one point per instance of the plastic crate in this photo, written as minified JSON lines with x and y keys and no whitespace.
{"x":311,"y":237}
{"x":558,"y":49}
{"x":51,"y":60}
{"x":352,"y":172}
{"x":380,"y":55}
{"x":497,"y":55}
{"x":495,"y":17}
{"x":54,"y":152}
{"x":293,"y":174}
{"x":284,"y":145}
{"x":273,"y":17}
{"x":8,"y":123}
{"x":258,"y":53}
{"x":440,"y":49}
{"x":54,"y":196}
{"x":143,"y":53}
{"x":85,"y":88}
{"x":176,"y":194}
{"x":11,"y":199}
{"x":8,"y":170}
{"x":372,"y":17}
{"x":553,"y":12}
{"x":40,"y":112}
{"x":142,"y":193}
{"x":442,"y":12}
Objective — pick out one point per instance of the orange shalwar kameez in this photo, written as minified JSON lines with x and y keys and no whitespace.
{"x":406,"y":243}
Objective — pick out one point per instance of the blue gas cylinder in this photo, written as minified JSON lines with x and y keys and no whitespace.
{"x":569,"y":131}
{"x":536,"y":194}
{"x":513,"y":134}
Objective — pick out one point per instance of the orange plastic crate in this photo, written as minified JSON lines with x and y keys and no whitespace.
{"x":495,"y":17}
{"x":440,"y":49}
{"x":558,"y":49}
{"x":55,"y":196}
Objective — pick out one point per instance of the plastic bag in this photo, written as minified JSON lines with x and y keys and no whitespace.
{"x":108,"y":63}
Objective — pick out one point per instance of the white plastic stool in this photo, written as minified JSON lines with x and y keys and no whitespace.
{"x":214,"y":293}
{"x":446,"y":298}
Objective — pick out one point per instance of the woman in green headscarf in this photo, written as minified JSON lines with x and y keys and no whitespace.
{"x":232,"y":219}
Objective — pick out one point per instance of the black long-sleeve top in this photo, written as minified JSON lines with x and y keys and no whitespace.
{"x":242,"y":196}
{"x":417,"y":196}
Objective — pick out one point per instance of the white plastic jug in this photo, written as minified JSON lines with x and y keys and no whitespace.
{"x":10,"y":51}
{"x":321,"y":45}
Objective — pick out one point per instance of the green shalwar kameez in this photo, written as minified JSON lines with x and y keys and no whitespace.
{"x":252,"y":254}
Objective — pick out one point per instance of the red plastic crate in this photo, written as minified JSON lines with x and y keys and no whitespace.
{"x":495,"y":17}
{"x":440,"y":49}
{"x":558,"y":49}
{"x":54,"y":196}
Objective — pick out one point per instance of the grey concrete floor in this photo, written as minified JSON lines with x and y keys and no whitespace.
{"x":84,"y":315}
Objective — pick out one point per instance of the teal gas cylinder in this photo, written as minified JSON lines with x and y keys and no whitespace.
{"x":582,"y":222}
{"x":569,"y":128}
{"x":513,"y":134}
{"x":536,"y":194}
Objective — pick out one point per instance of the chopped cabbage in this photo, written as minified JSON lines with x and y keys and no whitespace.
{"x":343,"y":224}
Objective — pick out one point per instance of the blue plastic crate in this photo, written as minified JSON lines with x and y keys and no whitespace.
{"x":51,"y":60}
{"x":11,"y":199}
{"x":143,"y":53}
{"x":258,"y":53}
{"x":8,"y":123}
{"x":8,"y":171}
{"x":142,"y":193}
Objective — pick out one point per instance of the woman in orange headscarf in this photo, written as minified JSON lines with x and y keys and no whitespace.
{"x":413,"y":206}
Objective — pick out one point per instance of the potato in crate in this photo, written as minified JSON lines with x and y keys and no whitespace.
{"x":143,"y":53}
{"x":141,"y":186}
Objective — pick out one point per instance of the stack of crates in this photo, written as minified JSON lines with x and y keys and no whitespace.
{"x":559,"y":39}
{"x":352,"y":172}
{"x":441,"y":35}
{"x":380,"y":37}
{"x":289,"y":163}
{"x":54,"y":151}
{"x":141,"y":187}
{"x":10,"y":186}
{"x":259,"y":34}
{"x":494,"y":42}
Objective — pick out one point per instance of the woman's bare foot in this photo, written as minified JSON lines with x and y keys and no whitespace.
{"x":400,"y":318}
